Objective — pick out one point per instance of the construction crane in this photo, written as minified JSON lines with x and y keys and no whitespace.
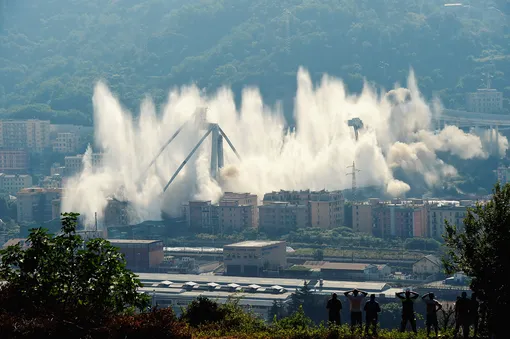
{"x":357,"y":124}
{"x":353,"y":173}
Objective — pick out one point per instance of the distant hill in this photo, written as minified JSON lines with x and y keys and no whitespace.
{"x":52,"y":52}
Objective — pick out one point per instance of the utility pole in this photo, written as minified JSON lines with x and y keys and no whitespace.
{"x":353,"y":173}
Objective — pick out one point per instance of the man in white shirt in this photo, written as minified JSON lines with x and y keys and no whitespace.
{"x":355,"y":298}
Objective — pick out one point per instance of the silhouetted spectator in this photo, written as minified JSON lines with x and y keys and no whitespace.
{"x":474,"y":313}
{"x":433,"y":306}
{"x":462,"y":308}
{"x":356,"y":297}
{"x":408,"y":298}
{"x":371,"y":315}
{"x":334,"y":306}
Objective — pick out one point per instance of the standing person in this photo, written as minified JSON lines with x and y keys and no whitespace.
{"x":462,"y":308}
{"x":433,"y":306}
{"x":474,"y":313}
{"x":356,"y":297}
{"x":371,"y":314}
{"x":334,"y":306}
{"x":408,"y":298}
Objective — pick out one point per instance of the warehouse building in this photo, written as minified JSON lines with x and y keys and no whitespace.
{"x":141,"y":255}
{"x":250,"y":258}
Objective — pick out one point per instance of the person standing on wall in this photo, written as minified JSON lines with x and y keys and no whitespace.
{"x":355,"y":298}
{"x":372,"y":310}
{"x":334,"y":307}
{"x":408,"y":298}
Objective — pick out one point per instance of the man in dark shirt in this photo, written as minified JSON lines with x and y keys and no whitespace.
{"x":433,"y":306}
{"x":408,"y":298}
{"x":371,"y":313}
{"x":334,"y":306}
{"x":474,"y":313}
{"x":462,"y":308}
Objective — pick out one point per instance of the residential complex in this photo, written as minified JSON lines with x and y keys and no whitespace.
{"x":36,"y":204}
{"x":13,"y":183}
{"x":74,"y":164}
{"x":14,"y":161}
{"x":407,"y":219}
{"x":234,"y":211}
{"x":33,"y":135}
{"x":66,"y":143}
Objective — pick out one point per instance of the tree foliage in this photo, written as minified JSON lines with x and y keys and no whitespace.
{"x":66,"y":277}
{"x":481,"y":251}
{"x":53,"y":52}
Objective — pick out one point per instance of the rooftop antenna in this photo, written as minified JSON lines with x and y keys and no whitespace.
{"x":353,"y":173}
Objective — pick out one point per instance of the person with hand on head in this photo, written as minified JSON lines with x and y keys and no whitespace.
{"x":355,"y":298}
{"x":408,"y":298}
{"x":372,"y":309}
{"x":334,"y":307}
{"x":433,"y":306}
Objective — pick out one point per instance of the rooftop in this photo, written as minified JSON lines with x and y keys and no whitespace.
{"x":254,"y":243}
{"x":329,"y":286}
{"x":134,"y":241}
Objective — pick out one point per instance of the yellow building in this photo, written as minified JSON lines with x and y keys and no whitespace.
{"x":238,"y":211}
{"x":251,"y":257}
{"x":326,"y":209}
{"x":13,"y":183}
{"x":32,"y":134}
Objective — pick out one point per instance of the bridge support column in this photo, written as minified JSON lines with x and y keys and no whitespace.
{"x":215,"y":136}
{"x":496,"y":149}
{"x":491,"y":143}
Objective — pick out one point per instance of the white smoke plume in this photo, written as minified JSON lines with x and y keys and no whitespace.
{"x":396,"y":134}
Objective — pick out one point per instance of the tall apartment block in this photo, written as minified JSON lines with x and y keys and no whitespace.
{"x":325,"y":209}
{"x":32,"y":134}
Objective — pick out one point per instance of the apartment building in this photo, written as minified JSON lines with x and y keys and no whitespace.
{"x":362,"y":219}
{"x":32,"y":134}
{"x":280,"y":216}
{"x":249,"y":258}
{"x":238,"y":211}
{"x":66,"y":143}
{"x":13,"y":161}
{"x":485,"y":100}
{"x":36,"y":204}
{"x":13,"y":183}
{"x":326,"y":209}
{"x":202,"y":216}
{"x":74,"y":164}
{"x":116,"y":213}
{"x":452,"y":212}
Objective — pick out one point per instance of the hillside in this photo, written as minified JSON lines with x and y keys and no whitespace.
{"x":52,"y":52}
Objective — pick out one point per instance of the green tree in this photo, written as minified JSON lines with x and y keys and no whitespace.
{"x":277,"y":311}
{"x":481,"y":251}
{"x":318,"y":255}
{"x":65,"y":277}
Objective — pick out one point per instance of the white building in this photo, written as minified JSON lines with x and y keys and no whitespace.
{"x":485,"y":100}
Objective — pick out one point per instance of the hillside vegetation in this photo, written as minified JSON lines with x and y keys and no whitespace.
{"x":52,"y":52}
